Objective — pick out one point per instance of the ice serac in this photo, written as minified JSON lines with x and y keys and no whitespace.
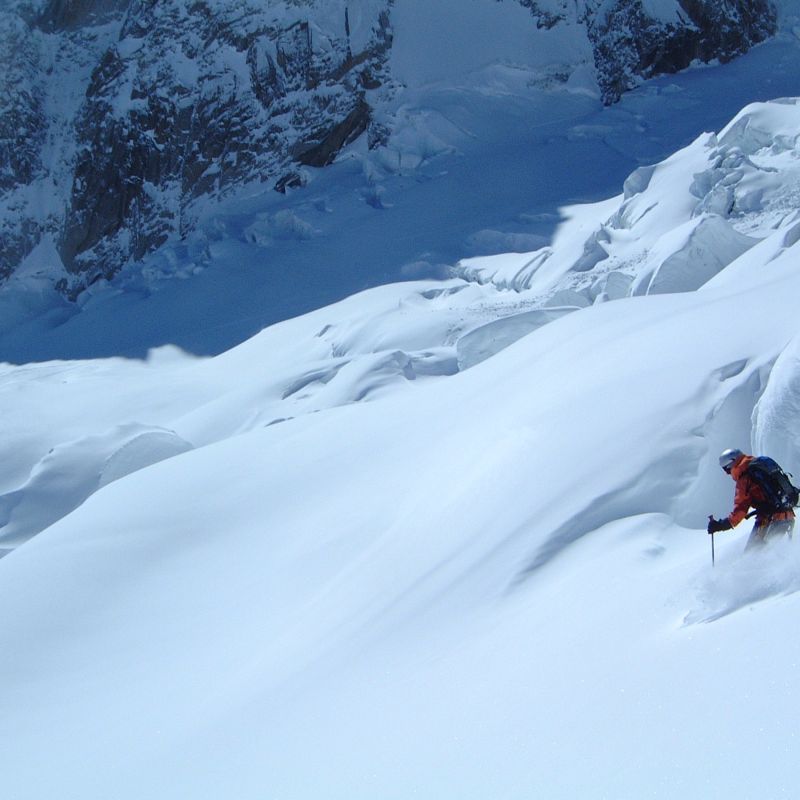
{"x":776,"y":418}
{"x":678,"y":225}
{"x":710,"y":245}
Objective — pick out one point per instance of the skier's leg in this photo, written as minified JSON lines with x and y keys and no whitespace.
{"x":756,"y":538}
{"x":779,"y":528}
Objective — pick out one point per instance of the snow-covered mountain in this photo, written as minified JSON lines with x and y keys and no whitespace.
{"x":445,"y":538}
{"x":442,"y":538}
{"x":121,"y":118}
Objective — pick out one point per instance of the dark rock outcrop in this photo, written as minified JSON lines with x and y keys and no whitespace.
{"x":187,"y":100}
{"x":631,"y":46}
{"x":67,"y":15}
{"x":23,"y":128}
{"x":250,"y":99}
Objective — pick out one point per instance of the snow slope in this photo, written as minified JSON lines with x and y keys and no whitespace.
{"x":395,"y":548}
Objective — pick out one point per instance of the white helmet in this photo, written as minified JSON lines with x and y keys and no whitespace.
{"x":729,"y":457}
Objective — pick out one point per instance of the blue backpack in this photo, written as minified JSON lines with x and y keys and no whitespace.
{"x":781,"y":493}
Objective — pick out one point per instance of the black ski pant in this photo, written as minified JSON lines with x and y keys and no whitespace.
{"x":765,"y":530}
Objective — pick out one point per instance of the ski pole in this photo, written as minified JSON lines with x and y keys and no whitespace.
{"x":713,"y":558}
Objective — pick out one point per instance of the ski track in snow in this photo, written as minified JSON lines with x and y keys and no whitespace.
{"x":742,"y":580}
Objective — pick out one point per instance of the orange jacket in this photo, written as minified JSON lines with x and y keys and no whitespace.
{"x":750,"y":495}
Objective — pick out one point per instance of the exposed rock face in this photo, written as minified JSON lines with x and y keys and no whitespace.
{"x":116,"y":116}
{"x":239,"y":98}
{"x":181,"y":100}
{"x":66,"y":15}
{"x":631,"y":45}
{"x":634,"y":40}
{"x":22,"y":134}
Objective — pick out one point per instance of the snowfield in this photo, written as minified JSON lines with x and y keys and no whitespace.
{"x":441,"y":539}
{"x":336,"y":562}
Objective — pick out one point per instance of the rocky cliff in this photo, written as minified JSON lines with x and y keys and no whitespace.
{"x":116,"y":116}
{"x":634,"y":40}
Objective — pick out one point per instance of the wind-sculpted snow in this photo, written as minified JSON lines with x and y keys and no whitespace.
{"x":72,"y":471}
{"x":464,"y":559}
{"x":432,"y":540}
{"x":72,"y":449}
{"x":486,"y":340}
{"x":659,"y":237}
{"x":776,"y":418}
{"x":698,"y":251}
{"x":678,"y":223}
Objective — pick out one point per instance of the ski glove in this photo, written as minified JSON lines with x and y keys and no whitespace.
{"x":715,"y":525}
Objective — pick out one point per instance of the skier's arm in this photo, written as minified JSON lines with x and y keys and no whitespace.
{"x":742,"y":502}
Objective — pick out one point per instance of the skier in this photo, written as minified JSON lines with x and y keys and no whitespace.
{"x":769,"y":492}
